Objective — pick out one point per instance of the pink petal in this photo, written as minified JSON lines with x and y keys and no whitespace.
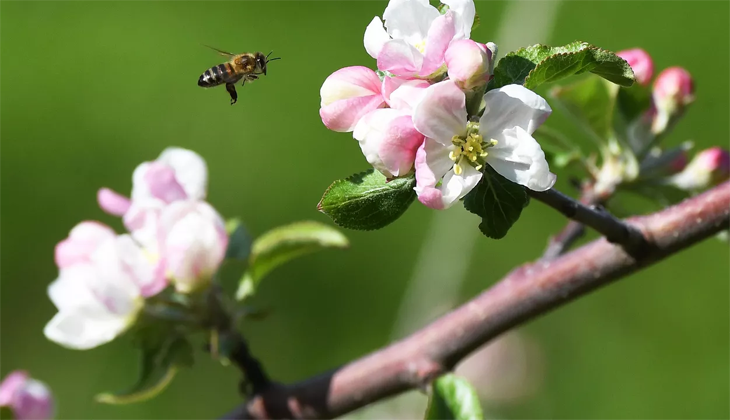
{"x":82,"y":241}
{"x":440,"y":34}
{"x":162,"y":183}
{"x":468,"y":63}
{"x":191,"y":171}
{"x":349,"y":82}
{"x":10,"y":386}
{"x":389,"y":141}
{"x":409,"y":94}
{"x":390,"y":84}
{"x":343,"y":115}
{"x":441,"y":114}
{"x":112,"y":202}
{"x":432,"y":163}
{"x":400,"y":58}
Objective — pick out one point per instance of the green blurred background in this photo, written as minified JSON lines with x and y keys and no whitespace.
{"x":91,"y":89}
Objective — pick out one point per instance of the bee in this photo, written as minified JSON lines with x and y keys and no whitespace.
{"x":246,"y":66}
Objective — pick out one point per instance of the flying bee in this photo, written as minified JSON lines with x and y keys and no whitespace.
{"x":246,"y":66}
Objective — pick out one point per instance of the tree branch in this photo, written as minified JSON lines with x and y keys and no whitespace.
{"x":527,"y":292}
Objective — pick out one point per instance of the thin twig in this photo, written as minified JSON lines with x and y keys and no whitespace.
{"x":525,"y":293}
{"x":561,"y":243}
{"x":615,"y":230}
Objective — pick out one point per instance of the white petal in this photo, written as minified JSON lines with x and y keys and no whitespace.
{"x":455,"y":187}
{"x":512,"y":106}
{"x":432,"y":163}
{"x":190,"y":171}
{"x":465,"y":11}
{"x":519,"y":158}
{"x":441,"y":113}
{"x":375,"y":37}
{"x":70,"y":289}
{"x":409,"y":19}
{"x":142,"y":221}
{"x":85,"y":328}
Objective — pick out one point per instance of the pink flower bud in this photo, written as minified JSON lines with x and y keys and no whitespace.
{"x":673,"y":91}
{"x":177,"y":174}
{"x":112,"y":202}
{"x":640,"y":63}
{"x":708,"y":168}
{"x":193,"y":243}
{"x":28,"y":398}
{"x":469,"y":63}
{"x":347,"y":95}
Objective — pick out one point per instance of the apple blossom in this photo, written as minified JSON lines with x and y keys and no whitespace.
{"x":103,"y":279}
{"x":28,"y":398}
{"x":177,"y":174}
{"x":470,"y":64}
{"x":387,"y":136}
{"x":708,"y":168}
{"x":193,"y":243}
{"x":347,"y":95}
{"x":448,"y":164}
{"x":673,"y":92}
{"x":415,"y":36}
{"x":640,"y":62}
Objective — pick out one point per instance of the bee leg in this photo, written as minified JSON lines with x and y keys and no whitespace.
{"x":231,"y":88}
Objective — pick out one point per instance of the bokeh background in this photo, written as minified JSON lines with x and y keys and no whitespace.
{"x":91,"y":89}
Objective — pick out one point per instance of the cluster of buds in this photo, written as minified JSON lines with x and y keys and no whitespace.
{"x":27,"y":398}
{"x":671,"y":93}
{"x":175,"y":237}
{"x":413,"y":114}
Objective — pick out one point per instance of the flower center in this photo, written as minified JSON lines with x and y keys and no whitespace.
{"x":470,"y":149}
{"x":421,"y":46}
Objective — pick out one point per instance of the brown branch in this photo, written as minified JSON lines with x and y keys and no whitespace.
{"x":527,"y":292}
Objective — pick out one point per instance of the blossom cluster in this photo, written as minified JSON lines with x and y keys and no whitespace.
{"x":672,"y":92}
{"x":413,"y":114}
{"x":174,"y":237}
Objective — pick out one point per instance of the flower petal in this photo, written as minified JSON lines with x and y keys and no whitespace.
{"x":400,"y":58}
{"x":85,"y":327}
{"x":10,"y":385}
{"x":142,"y":222}
{"x":389,"y":141}
{"x":440,"y":34}
{"x":191,"y":171}
{"x":34,"y":401}
{"x":375,"y":37}
{"x":455,"y":187}
{"x":343,"y":115}
{"x":390,"y":84}
{"x":162,"y":183}
{"x":512,"y":106}
{"x":465,"y":12}
{"x":441,"y":114}
{"x":519,"y":158}
{"x":347,"y":83}
{"x":147,"y":273}
{"x":112,"y":202}
{"x":83,"y":239}
{"x":432,"y":163}
{"x":409,"y":19}
{"x":408,"y":94}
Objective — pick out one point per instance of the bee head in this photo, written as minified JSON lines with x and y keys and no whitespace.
{"x":262,"y":60}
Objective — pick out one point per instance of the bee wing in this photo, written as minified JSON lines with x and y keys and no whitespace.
{"x":221,"y":52}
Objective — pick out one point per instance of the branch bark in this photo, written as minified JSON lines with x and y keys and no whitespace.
{"x":561,"y":243}
{"x":527,"y":292}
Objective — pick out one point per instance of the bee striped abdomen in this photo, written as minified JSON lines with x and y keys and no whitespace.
{"x":214,"y":76}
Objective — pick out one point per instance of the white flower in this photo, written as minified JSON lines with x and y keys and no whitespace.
{"x":416,"y":35}
{"x":449,"y":163}
{"x":101,"y":286}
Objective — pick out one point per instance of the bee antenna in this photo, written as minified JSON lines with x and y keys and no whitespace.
{"x":271,"y":59}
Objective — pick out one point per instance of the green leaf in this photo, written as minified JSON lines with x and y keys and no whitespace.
{"x":239,"y":241}
{"x":590,"y":102}
{"x":163,"y":354}
{"x":453,"y":398}
{"x":367,"y":200}
{"x":284,"y":243}
{"x":6,"y":413}
{"x":632,"y":102}
{"x":559,"y":149}
{"x":498,"y":201}
{"x":539,"y":64}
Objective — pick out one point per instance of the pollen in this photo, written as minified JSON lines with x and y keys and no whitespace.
{"x":470,"y":149}
{"x":421,"y":46}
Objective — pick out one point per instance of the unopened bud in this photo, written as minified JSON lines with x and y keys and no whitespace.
{"x":673,"y":92}
{"x":708,"y":168}
{"x":470,"y":64}
{"x":28,"y":398}
{"x":640,"y":63}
